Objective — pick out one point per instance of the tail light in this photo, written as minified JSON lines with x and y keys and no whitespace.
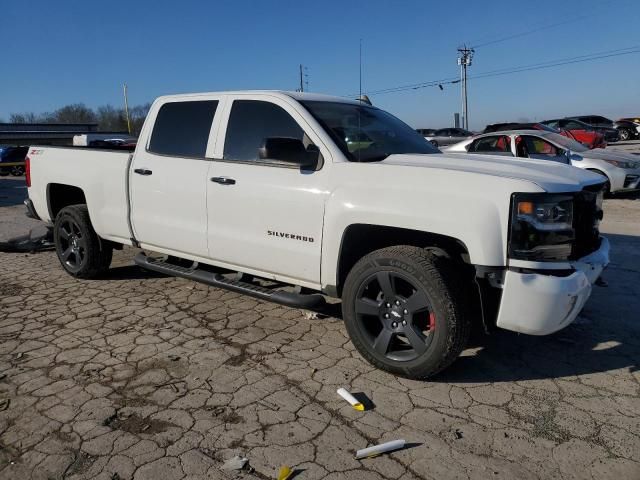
{"x":27,"y":170}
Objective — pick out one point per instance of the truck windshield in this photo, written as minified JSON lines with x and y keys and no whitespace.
{"x":367,"y":134}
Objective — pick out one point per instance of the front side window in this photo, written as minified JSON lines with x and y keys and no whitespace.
{"x":367,"y":134}
{"x":251,"y":122}
{"x":535,"y":147}
{"x":182,"y":128}
{"x":573,"y":125}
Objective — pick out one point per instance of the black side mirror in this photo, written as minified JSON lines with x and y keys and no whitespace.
{"x":290,"y":150}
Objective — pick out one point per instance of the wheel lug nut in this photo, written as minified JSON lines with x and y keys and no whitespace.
{"x":388,"y":305}
{"x":404,"y":322}
{"x":405,"y":311}
{"x":394,"y":324}
{"x":397,"y":302}
{"x":386,"y":315}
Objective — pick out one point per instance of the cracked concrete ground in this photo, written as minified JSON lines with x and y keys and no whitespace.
{"x":139,"y":376}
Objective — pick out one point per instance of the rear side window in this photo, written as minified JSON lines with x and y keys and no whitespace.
{"x":182,"y":128}
{"x":250,"y":122}
{"x":497,"y":144}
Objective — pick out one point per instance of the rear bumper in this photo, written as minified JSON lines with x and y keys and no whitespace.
{"x":31,"y":211}
{"x":540,"y":304}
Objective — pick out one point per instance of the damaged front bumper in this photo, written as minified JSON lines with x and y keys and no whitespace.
{"x":540,"y":303}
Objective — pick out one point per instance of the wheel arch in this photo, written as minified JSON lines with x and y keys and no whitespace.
{"x":61,"y":195}
{"x":360,"y":239}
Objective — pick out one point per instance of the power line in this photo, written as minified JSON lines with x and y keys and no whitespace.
{"x":533,"y":30}
{"x":547,"y":26}
{"x":509,"y":70}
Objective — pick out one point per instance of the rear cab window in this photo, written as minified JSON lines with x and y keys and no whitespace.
{"x":182,"y":129}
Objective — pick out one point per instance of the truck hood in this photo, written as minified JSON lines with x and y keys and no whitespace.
{"x":550,"y":176}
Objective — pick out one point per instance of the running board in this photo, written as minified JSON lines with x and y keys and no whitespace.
{"x":289,"y":299}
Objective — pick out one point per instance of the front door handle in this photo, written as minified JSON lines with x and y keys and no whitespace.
{"x":143,"y":171}
{"x":223,"y":180}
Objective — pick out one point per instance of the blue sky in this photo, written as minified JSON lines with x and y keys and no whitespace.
{"x":60,"y":52}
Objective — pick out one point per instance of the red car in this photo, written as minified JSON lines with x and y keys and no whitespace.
{"x":589,"y":138}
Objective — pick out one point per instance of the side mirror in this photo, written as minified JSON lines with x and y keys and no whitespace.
{"x":290,"y":150}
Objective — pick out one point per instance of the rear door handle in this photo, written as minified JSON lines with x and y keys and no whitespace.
{"x":143,"y":171}
{"x":223,"y":180}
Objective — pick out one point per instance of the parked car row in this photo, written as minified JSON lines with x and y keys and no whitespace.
{"x":627,"y":129}
{"x":621,"y":169}
{"x":12,"y":160}
{"x":444,"y":136}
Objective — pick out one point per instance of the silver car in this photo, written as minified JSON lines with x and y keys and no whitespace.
{"x":621,"y":169}
{"x":448,"y":136}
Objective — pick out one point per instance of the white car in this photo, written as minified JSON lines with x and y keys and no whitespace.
{"x":621,"y":169}
{"x":323,"y":195}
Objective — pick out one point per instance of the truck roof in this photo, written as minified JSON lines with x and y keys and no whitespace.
{"x":296,"y":95}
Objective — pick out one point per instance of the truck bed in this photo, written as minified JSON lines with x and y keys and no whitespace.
{"x":100,"y":173}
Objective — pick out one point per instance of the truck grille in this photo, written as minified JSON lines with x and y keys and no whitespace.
{"x":587,"y":213}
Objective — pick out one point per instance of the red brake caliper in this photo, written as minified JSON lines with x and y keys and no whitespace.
{"x":432,"y":321}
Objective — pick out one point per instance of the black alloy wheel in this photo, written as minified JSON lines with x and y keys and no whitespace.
{"x":405,"y":319}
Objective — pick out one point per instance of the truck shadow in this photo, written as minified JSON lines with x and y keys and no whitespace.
{"x":130,"y":272}
{"x":604,"y":338}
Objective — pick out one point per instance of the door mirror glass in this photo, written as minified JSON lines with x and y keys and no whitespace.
{"x":289,"y":150}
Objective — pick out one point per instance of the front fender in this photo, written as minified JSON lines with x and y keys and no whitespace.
{"x":473,"y":209}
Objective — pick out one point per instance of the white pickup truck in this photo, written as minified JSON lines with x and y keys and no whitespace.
{"x":291,"y":197}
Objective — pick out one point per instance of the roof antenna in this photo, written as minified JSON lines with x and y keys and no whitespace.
{"x":362,"y":98}
{"x":360,"y":91}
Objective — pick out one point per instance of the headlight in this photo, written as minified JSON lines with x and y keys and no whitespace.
{"x":619,"y":164}
{"x":541,"y":226}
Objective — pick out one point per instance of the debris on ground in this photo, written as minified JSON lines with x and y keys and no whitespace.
{"x":380,"y":449}
{"x":458,"y":434}
{"x":351,"y":399}
{"x":235,"y":463}
{"x":285,"y":473}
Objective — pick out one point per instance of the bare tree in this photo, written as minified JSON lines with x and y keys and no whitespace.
{"x":27,"y":117}
{"x":108,"y":117}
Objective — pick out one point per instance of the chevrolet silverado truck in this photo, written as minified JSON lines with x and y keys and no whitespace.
{"x":293,"y":197}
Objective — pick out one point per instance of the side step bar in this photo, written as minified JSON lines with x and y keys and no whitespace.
{"x":289,"y":299}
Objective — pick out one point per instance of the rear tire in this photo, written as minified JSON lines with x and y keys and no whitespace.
{"x":405,"y":311}
{"x":434,"y":143}
{"x":81,"y":252}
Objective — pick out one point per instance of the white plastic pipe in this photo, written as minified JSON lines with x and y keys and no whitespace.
{"x":351,"y":399}
{"x":380,"y":449}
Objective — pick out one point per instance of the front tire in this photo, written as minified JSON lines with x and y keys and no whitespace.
{"x":434,"y":143}
{"x":405,"y":311}
{"x":81,"y":252}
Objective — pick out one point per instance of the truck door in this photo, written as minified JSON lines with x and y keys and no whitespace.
{"x":264,"y":215}
{"x":168,"y":178}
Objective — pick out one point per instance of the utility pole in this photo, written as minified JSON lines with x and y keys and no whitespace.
{"x":465,"y":55}
{"x":126,"y":107}
{"x":301,"y":79}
